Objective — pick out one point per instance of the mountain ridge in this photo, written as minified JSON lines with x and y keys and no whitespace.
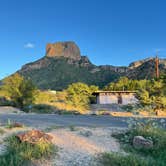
{"x":63,"y":64}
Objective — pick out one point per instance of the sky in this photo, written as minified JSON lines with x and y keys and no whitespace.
{"x":114,"y":32}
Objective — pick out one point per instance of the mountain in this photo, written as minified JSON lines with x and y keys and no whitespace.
{"x":63,"y":64}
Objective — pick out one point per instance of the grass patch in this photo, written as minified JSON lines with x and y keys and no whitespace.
{"x":114,"y":159}
{"x":18,"y":154}
{"x":10,"y":124}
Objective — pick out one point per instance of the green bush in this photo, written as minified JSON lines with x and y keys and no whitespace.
{"x":40,"y":108}
{"x":19,"y":154}
{"x":78,"y":95}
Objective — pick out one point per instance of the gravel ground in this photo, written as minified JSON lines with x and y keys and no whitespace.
{"x":80,"y":147}
{"x":77,"y":146}
{"x":9,"y":110}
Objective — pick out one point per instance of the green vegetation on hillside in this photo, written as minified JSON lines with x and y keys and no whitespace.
{"x":60,"y":73}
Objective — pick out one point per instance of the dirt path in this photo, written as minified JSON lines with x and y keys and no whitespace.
{"x":9,"y":110}
{"x":78,"y":148}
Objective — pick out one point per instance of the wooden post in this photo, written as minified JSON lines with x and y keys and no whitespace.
{"x":157,"y":66}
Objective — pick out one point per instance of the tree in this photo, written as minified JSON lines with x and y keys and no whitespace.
{"x":20,"y":90}
{"x":78,"y":94}
{"x":149,"y":92}
{"x":144,"y":97}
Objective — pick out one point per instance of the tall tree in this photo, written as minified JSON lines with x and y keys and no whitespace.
{"x":20,"y":90}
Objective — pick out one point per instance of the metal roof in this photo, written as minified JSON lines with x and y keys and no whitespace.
{"x":97,"y":92}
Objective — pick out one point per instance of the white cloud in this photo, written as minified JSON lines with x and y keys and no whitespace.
{"x":29,"y":45}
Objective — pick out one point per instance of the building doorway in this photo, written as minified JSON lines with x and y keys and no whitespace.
{"x":120,"y":99}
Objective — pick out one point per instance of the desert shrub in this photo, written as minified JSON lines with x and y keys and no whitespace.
{"x":128,"y":108}
{"x":40,"y":108}
{"x":114,"y":159}
{"x":18,"y":154}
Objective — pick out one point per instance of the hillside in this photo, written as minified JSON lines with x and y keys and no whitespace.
{"x":63,"y":65}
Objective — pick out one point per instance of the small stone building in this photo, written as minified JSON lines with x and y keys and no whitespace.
{"x":115,"y":97}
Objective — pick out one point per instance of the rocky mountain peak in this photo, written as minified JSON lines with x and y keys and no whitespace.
{"x":67,"y":49}
{"x":139,"y":63}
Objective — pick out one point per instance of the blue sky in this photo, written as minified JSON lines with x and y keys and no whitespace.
{"x":114,"y":32}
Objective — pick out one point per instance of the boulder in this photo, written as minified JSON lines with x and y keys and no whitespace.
{"x":34,"y":137}
{"x":141,"y":142}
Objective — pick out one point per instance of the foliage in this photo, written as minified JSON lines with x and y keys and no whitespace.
{"x":20,"y":90}
{"x":19,"y":154}
{"x":149,"y":92}
{"x":40,"y":108}
{"x":149,"y":130}
{"x":78,"y":94}
{"x":9,"y":124}
{"x":113,"y":159}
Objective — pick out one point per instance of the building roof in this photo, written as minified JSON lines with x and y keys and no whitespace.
{"x":97,"y":92}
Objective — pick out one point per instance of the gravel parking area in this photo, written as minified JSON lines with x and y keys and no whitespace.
{"x":80,"y":146}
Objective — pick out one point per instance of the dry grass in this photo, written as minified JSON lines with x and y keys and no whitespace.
{"x":58,"y":101}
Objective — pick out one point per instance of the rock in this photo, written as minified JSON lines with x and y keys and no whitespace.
{"x":86,"y":133}
{"x":138,"y":63}
{"x":16,"y":124}
{"x":85,"y":62}
{"x":63,"y":49}
{"x":141,"y":142}
{"x":34,"y":137}
{"x":41,"y":63}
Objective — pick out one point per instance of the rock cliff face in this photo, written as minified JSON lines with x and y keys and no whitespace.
{"x":63,"y":49}
{"x":139,"y":63}
{"x":63,"y":65}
